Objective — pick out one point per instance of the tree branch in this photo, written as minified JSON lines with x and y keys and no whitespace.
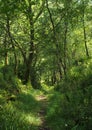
{"x":40,"y":11}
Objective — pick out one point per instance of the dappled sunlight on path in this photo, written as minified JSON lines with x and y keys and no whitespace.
{"x":42,"y":113}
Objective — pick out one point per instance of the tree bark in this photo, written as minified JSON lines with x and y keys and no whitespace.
{"x":84,"y":32}
{"x":65,"y":45}
{"x":31,"y":49}
{"x":6,"y":52}
{"x":11,"y":41}
{"x":85,"y":38}
{"x":58,"y":51}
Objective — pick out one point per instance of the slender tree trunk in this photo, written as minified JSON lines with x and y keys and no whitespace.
{"x":85,"y":39}
{"x":6,"y":58}
{"x":21,"y":50}
{"x":65,"y":46}
{"x":6,"y":53}
{"x":58,"y":51}
{"x":84,"y":32}
{"x":13,"y":47}
{"x":31,"y":49}
{"x":53,"y":78}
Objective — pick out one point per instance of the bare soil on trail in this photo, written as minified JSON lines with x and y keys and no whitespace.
{"x":42,"y":113}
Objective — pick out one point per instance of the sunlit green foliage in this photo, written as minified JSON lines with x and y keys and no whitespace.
{"x":46,"y":45}
{"x":22,"y":113}
{"x":71,"y":109}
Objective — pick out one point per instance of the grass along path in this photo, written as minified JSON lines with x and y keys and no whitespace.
{"x":22,"y":112}
{"x":26,"y":112}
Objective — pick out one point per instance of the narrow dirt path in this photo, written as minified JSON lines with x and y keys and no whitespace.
{"x":44,"y":103}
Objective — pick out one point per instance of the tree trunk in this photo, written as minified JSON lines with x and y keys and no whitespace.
{"x":65,"y":46}
{"x":85,"y":39}
{"x":6,"y":53}
{"x":58,"y":51}
{"x":31,"y":49}
{"x":84,"y":32}
{"x":13,"y":47}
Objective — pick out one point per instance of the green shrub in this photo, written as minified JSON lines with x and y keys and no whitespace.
{"x":69,"y":111}
{"x":8,"y":80}
{"x":3,"y":83}
{"x":70,"y":107}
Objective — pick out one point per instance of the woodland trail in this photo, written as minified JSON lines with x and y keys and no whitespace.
{"x":42,"y":113}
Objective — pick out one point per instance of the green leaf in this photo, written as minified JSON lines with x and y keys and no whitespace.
{"x":27,"y":3}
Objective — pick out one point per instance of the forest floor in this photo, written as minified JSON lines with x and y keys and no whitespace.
{"x":26,"y":110}
{"x":42,"y":113}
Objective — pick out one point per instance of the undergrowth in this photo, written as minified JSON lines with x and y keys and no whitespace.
{"x":19,"y":110}
{"x":70,"y":104}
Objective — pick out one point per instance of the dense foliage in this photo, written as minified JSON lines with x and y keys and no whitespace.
{"x":46,"y":48}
